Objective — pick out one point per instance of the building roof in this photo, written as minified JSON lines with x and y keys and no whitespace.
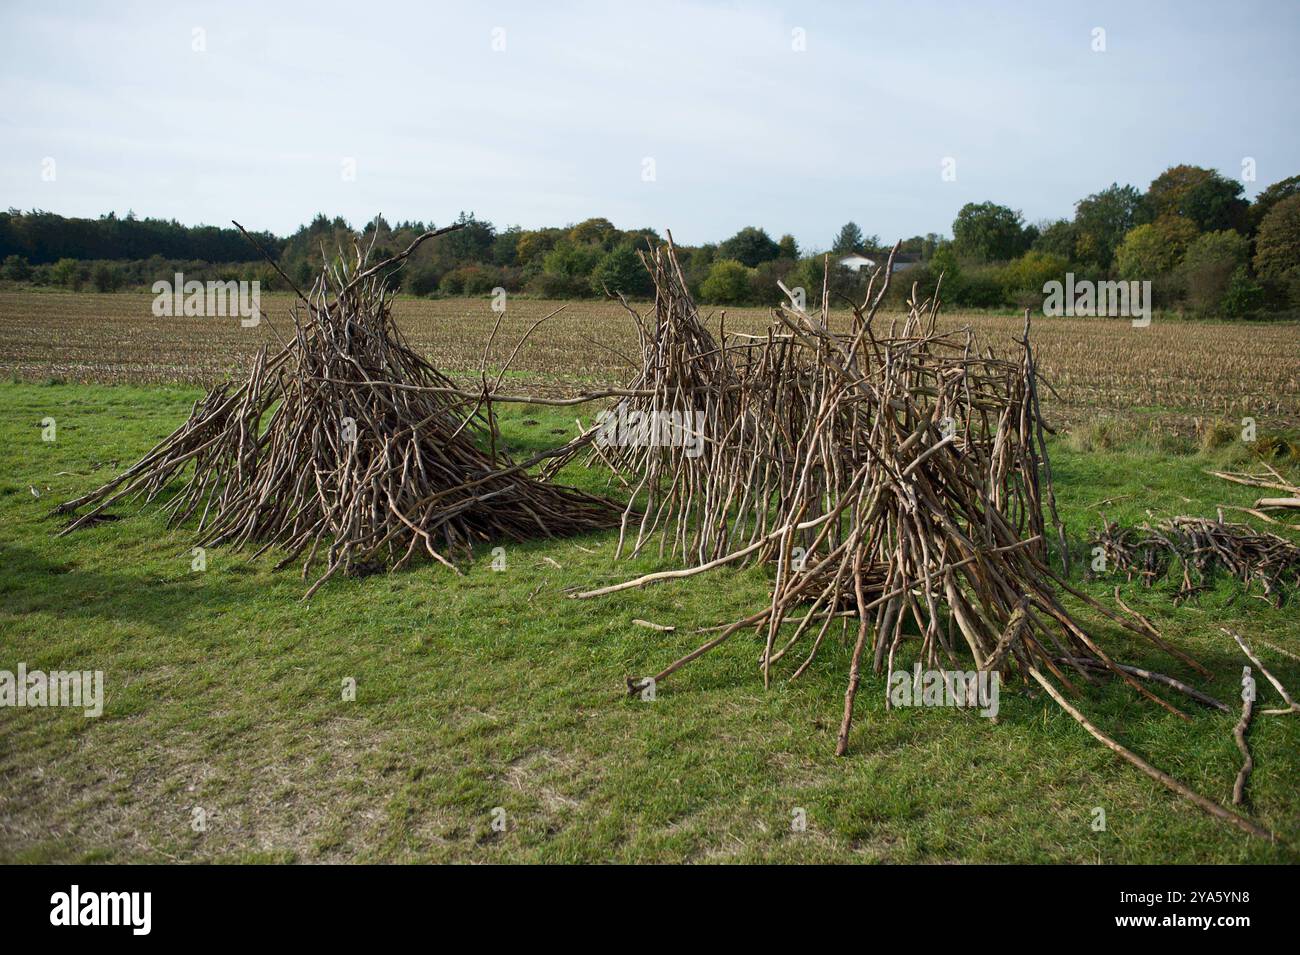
{"x":874,"y":257}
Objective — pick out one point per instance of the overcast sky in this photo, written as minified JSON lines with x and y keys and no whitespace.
{"x":254,"y":116}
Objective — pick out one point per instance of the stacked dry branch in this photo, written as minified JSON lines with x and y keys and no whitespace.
{"x":347,"y":449}
{"x":885,"y":475}
{"x":896,"y":478}
{"x":662,"y":436}
{"x":1199,"y":547}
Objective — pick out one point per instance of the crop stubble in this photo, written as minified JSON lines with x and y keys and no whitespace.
{"x":1187,"y":370}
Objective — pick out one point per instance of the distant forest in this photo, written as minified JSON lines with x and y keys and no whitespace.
{"x":1205,"y":247}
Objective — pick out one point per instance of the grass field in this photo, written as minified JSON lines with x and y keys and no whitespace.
{"x":493,"y":691}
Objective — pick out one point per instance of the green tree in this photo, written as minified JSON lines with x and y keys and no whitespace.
{"x":1100,"y":222}
{"x":696,"y":264}
{"x":749,"y":246}
{"x":597,"y":231}
{"x":571,"y":259}
{"x":1057,"y":238}
{"x":505,"y":248}
{"x":1277,"y":246}
{"x":1209,"y":265}
{"x":1154,"y":249}
{"x":1243,"y":295}
{"x":789,"y":248}
{"x":808,"y":274}
{"x":944,"y":262}
{"x":67,"y":273}
{"x":1032,"y":270}
{"x":1167,"y":194}
{"x":107,"y":277}
{"x":420,"y":279}
{"x":727,"y":283}
{"x":532,"y":246}
{"x":470,"y":280}
{"x":641,"y":240}
{"x":43,"y":237}
{"x":1266,"y":200}
{"x":1217,"y":204}
{"x":16,"y":268}
{"x":620,"y":270}
{"x":763,"y":287}
{"x":848,"y":240}
{"x":922,"y":245}
{"x":1209,"y":248}
{"x":1199,"y":195}
{"x":471,"y":243}
{"x":988,"y":232}
{"x":481,"y":279}
{"x":453,"y":283}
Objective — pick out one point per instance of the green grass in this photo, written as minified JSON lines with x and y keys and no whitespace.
{"x":223,"y":691}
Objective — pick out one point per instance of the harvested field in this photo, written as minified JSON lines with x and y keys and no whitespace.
{"x":1177,"y":371}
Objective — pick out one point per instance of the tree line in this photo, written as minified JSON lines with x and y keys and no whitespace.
{"x":1204,"y":247}
{"x":1192,"y":233}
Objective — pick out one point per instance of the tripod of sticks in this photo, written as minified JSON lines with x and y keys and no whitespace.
{"x":346,"y":449}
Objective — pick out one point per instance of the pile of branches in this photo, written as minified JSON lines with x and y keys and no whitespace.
{"x":757,"y":406}
{"x":1200,"y":547}
{"x":895,"y":479}
{"x":346,"y":450}
{"x":888,"y":475}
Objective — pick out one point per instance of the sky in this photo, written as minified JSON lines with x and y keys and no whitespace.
{"x":697,"y":117}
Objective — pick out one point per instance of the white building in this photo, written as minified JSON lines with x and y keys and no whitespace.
{"x":856,"y":261}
